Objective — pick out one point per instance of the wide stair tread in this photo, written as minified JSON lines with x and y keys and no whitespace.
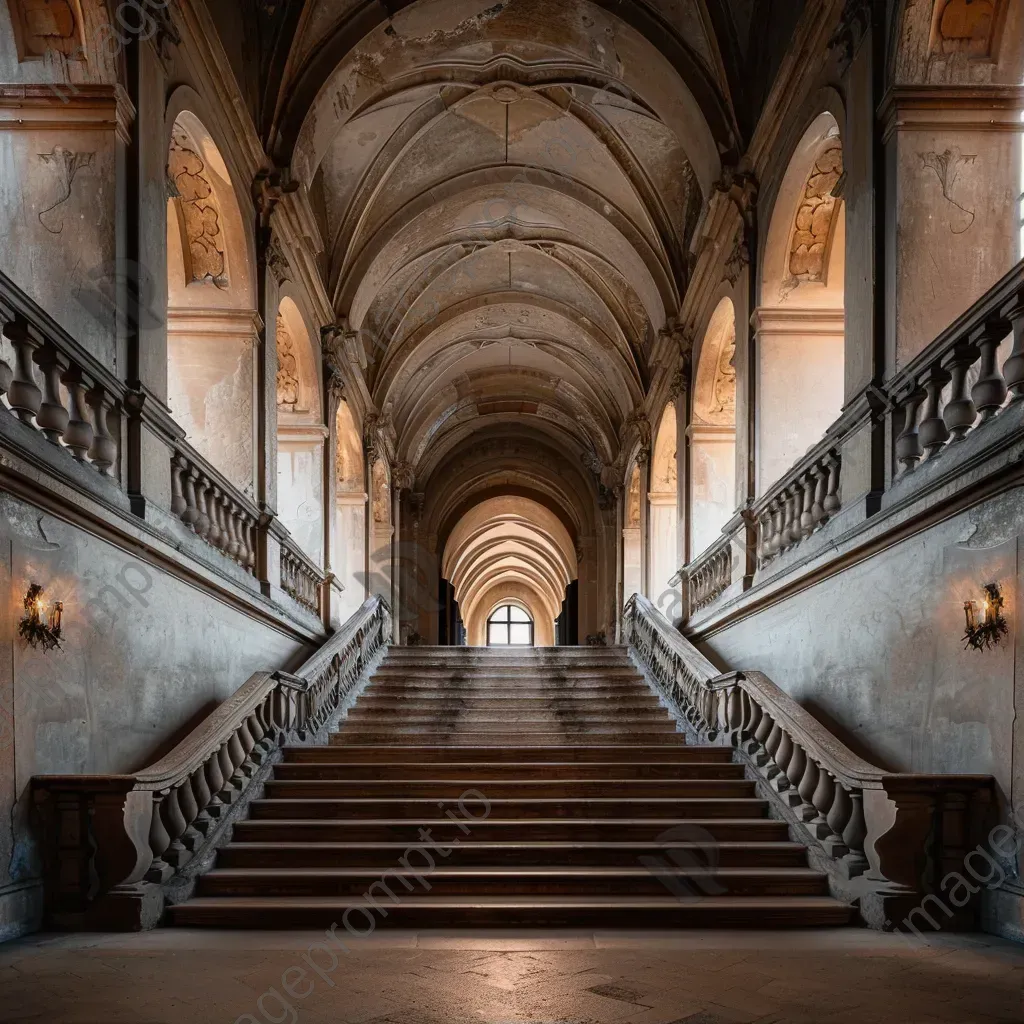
{"x":559,"y":788}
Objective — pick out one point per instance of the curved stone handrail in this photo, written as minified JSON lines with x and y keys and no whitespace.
{"x":111,"y":841}
{"x":870,"y":821}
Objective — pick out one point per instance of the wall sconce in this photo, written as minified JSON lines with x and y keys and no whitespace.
{"x":986,"y":631}
{"x":37,"y":631}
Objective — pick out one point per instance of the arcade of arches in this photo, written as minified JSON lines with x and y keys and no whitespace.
{"x":532,"y":305}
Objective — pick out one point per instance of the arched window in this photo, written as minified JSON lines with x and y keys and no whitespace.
{"x":510,"y":626}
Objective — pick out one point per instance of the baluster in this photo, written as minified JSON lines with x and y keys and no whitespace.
{"x":103,"y":453}
{"x":806,"y":787}
{"x":237,"y":753}
{"x":215,"y":780}
{"x":824,"y":794}
{"x":820,"y":476}
{"x":908,"y":443}
{"x":778,"y":507}
{"x":232,"y":527}
{"x":785,"y":538}
{"x":174,"y":821}
{"x":854,"y":835}
{"x":783,"y":756}
{"x":202,"y":525}
{"x":191,"y":514}
{"x":23,"y":394}
{"x":959,"y":414}
{"x":216,"y":534}
{"x":159,"y":841}
{"x":989,"y":391}
{"x":190,"y":811}
{"x":1013,"y":368}
{"x":52,"y":418}
{"x":248,"y":523}
{"x":933,"y":432}
{"x":831,"y":503}
{"x":178,"y":471}
{"x":258,"y":751}
{"x":795,"y":772}
{"x":228,"y":791}
{"x":79,"y":433}
{"x":795,"y":529}
{"x":807,"y":520}
{"x":201,"y":792}
{"x":838,"y":818}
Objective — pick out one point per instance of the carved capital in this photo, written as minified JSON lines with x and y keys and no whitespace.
{"x":741,"y":186}
{"x":738,"y":258}
{"x":680,"y":383}
{"x":403,"y":476}
{"x":269,"y":187}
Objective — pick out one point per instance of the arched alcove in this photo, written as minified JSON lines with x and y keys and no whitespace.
{"x":632,"y":550}
{"x":801,"y":317}
{"x":713,"y":431}
{"x":211,"y":319}
{"x":300,"y":432}
{"x":349,"y":547}
{"x":663,"y":502}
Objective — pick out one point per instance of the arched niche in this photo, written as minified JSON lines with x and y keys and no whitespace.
{"x":663,"y":502}
{"x":713,"y":430}
{"x":349,"y":558}
{"x":801,"y":318}
{"x":212,"y":324}
{"x":380,"y":530}
{"x":300,"y":432}
{"x":632,"y":549}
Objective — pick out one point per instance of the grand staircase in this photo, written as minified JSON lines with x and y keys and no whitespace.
{"x":541,"y":786}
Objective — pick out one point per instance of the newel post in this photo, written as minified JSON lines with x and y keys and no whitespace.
{"x":97,"y":841}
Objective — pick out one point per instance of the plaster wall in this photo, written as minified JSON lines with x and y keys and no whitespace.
{"x":349,"y":560}
{"x":800,"y":385}
{"x":300,"y":496}
{"x":713,"y":502}
{"x":145,"y":657}
{"x":664,"y":527}
{"x":875,"y":652}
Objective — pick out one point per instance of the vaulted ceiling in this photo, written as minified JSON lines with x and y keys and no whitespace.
{"x":508,"y":191}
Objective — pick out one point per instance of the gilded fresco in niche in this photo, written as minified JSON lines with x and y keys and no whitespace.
{"x":287,"y":368}
{"x":196,"y":203}
{"x":47,"y":28}
{"x":965,"y":26}
{"x":812,"y":232}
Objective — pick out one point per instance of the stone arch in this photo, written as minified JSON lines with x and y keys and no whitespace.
{"x":800,"y":348}
{"x":713,"y":430}
{"x":212,"y":324}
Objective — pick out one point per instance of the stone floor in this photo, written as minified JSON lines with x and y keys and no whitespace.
{"x":832,"y":977}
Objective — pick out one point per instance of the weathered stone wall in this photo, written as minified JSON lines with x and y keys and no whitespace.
{"x":144,"y":658}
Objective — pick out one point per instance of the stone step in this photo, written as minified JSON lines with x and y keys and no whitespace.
{"x":379,"y":855}
{"x":589,"y":724}
{"x":505,"y":703}
{"x":470,"y":738}
{"x":493,"y":829}
{"x":449,"y":880}
{"x":617,"y":753}
{"x":506,"y":789}
{"x":479,"y":809}
{"x":480,"y":911}
{"x":469,"y":774}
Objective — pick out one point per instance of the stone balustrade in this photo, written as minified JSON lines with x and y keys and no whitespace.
{"x":211,"y":507}
{"x":934,"y":402}
{"x":868,"y":823}
{"x":800,"y":503}
{"x":709,"y":575}
{"x":114,"y":845}
{"x":56,"y":387}
{"x":301,"y":578}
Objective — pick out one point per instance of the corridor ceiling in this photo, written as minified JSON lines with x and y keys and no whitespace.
{"x":508,"y":191}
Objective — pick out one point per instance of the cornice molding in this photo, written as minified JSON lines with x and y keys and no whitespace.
{"x":67,"y":107}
